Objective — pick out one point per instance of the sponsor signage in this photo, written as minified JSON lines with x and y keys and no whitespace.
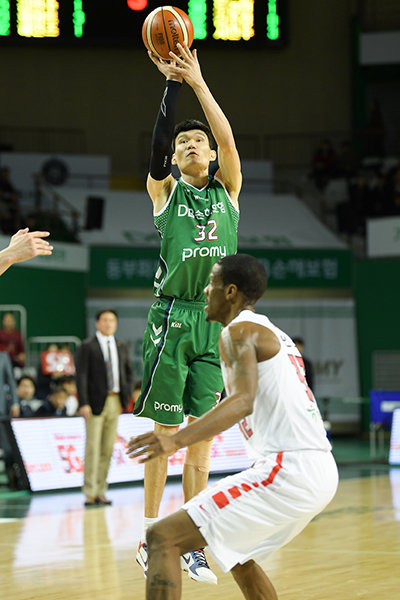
{"x":52,"y":451}
{"x":121,"y":267}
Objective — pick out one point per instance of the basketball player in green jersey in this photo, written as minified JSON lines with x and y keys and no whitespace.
{"x":197,"y":218}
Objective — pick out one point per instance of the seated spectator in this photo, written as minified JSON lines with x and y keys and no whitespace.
{"x":11,"y":340}
{"x":9,"y":203}
{"x":55,"y":405}
{"x":323,"y":165}
{"x":55,"y":363}
{"x":72,"y":404}
{"x":28,"y":404}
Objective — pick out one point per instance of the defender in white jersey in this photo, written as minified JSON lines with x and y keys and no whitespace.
{"x":248,"y":515}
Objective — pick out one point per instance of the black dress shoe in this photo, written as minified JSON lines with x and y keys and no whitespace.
{"x":103,"y":501}
{"x":89,"y":503}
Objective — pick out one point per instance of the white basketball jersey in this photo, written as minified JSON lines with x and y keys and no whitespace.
{"x":285,"y":415}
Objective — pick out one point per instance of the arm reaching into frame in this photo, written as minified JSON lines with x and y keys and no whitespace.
{"x":24,"y":245}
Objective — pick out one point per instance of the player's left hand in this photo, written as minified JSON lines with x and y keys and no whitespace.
{"x":151,"y":445}
{"x":188,"y":65}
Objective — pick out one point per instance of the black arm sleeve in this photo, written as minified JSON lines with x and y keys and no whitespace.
{"x":160,"y":161}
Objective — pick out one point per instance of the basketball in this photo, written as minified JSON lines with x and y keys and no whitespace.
{"x":164,"y":28}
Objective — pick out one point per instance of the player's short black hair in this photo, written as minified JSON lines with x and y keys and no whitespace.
{"x":246,"y":272}
{"x":190,"y":124}
{"x":105,"y":310}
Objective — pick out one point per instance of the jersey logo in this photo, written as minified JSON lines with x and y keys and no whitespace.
{"x":176,"y":324}
{"x":185,"y":211}
{"x":203,"y":251}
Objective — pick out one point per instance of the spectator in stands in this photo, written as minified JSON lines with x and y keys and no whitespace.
{"x":347,"y":161}
{"x":24,"y":245}
{"x":352,"y":213}
{"x":55,"y":404}
{"x":392,"y":192}
{"x":323,"y":164}
{"x":8,"y":399}
{"x":8,"y":390}
{"x":69,"y":384}
{"x":11,"y":340}
{"x":9,"y":203}
{"x":308,"y":367}
{"x":27,"y":403}
{"x":45,"y":378}
{"x":375,"y":132}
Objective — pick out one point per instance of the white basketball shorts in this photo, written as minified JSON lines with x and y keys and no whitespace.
{"x":248,"y":515}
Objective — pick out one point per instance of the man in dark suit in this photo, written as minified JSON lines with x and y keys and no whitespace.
{"x":104,"y":379}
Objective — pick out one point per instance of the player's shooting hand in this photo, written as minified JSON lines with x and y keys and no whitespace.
{"x":166,"y":67}
{"x":188,"y":65}
{"x":151,"y":445}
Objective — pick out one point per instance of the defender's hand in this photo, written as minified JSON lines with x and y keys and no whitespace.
{"x":151,"y":445}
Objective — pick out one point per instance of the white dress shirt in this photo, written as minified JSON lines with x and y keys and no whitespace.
{"x":103,"y":341}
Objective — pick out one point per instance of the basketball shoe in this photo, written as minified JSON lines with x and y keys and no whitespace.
{"x":197,"y":567}
{"x":142,"y":556}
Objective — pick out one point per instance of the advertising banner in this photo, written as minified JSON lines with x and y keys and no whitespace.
{"x":53,"y":449}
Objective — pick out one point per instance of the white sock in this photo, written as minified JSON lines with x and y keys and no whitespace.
{"x":148,"y":522}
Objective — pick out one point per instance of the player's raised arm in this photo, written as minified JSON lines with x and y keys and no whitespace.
{"x":228,"y":157}
{"x":160,"y":179}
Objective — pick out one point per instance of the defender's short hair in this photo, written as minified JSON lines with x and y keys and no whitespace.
{"x":190,"y":124}
{"x":246,"y":272}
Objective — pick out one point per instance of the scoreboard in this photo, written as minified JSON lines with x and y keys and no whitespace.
{"x":218,"y":23}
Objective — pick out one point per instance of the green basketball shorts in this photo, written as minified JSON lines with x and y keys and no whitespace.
{"x":181,"y":373}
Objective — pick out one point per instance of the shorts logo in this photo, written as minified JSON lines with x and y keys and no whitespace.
{"x":168,"y":407}
{"x":176,"y":324}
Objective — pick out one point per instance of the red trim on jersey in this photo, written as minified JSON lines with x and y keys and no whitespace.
{"x":221,"y":500}
{"x":235,"y":492}
{"x":274,"y":471}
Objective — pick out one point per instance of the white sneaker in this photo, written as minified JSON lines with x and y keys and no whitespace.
{"x":197,"y":567}
{"x":142,"y":556}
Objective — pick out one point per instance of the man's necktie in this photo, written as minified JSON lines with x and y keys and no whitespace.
{"x":110,"y":376}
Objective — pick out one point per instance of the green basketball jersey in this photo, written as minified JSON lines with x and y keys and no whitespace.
{"x":197,"y":227}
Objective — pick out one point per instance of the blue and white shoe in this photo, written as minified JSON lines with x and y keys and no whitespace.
{"x":197,"y":567}
{"x":142,"y":557}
